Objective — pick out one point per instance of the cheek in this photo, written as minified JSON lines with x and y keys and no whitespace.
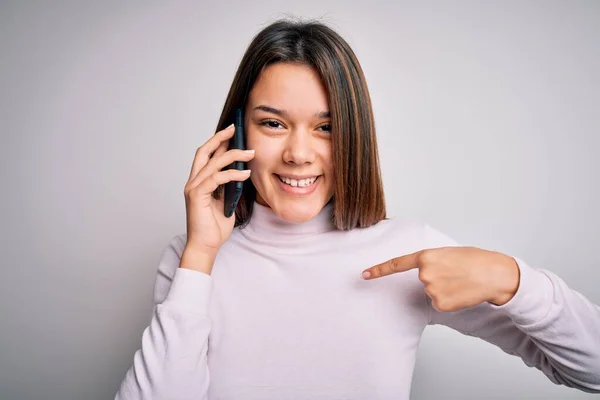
{"x":326,"y":156}
{"x":267,"y":154}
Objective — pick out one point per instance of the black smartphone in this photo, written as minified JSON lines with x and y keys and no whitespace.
{"x":233,"y":189}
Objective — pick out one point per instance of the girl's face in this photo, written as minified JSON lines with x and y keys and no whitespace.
{"x":288,"y":125}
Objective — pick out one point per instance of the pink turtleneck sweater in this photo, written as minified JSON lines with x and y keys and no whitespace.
{"x":286,"y":315}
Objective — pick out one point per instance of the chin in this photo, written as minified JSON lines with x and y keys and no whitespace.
{"x":290,"y":212}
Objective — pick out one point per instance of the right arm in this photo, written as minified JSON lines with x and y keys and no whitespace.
{"x":172,"y":362}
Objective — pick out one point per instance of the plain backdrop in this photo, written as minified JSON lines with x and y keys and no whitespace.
{"x":487,"y":114}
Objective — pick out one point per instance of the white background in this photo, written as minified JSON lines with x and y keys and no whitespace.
{"x":488,"y":123}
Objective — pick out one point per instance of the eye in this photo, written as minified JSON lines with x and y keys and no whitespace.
{"x":270,"y":123}
{"x":326,"y":128}
{"x":274,"y":124}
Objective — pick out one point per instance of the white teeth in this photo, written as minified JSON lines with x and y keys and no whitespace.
{"x":298,"y":183}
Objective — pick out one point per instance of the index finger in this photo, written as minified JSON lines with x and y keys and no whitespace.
{"x":209,"y":147}
{"x":395,"y":265}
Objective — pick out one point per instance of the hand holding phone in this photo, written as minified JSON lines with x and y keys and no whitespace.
{"x":219,"y":161}
{"x":233,"y":189}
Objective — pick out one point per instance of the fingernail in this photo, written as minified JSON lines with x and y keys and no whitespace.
{"x":246,"y":171}
{"x":230,"y":126}
{"x":249,"y":151}
{"x":366,"y":274}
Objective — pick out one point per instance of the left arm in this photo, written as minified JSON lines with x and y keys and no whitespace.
{"x":547,"y":324}
{"x":530,"y":313}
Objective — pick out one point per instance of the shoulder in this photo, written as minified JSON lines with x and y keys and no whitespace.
{"x":434,"y":237}
{"x":176,"y":245}
{"x":396,"y":226}
{"x":410,"y":229}
{"x":168,"y":265}
{"x":171,"y":255}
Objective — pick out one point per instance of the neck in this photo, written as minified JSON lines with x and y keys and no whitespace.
{"x":264,"y":221}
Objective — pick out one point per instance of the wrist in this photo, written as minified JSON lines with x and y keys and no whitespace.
{"x":506,"y":280}
{"x":197,"y":259}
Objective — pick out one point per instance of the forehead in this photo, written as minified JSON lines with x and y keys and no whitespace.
{"x":293,"y":87}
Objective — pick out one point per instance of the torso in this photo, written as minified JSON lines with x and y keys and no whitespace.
{"x":306,"y":326}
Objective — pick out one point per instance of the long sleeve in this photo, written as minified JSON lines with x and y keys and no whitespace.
{"x":172,"y":361}
{"x":547,"y":324}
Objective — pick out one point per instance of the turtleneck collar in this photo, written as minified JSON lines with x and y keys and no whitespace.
{"x":264,"y":221}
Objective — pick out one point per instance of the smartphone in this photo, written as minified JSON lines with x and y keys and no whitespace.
{"x":233,"y":189}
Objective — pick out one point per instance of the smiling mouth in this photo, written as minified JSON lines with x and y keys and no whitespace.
{"x":298,"y":183}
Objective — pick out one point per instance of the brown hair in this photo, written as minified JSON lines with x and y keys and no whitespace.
{"x":358,"y":198}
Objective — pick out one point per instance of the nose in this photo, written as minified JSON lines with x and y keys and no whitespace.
{"x":299,"y":148}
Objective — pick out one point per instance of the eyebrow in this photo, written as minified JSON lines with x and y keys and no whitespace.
{"x":284,"y":113}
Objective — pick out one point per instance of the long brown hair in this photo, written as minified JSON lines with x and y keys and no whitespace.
{"x":358,"y":198}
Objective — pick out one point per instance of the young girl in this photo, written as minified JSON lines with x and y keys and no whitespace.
{"x":272,"y":304}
